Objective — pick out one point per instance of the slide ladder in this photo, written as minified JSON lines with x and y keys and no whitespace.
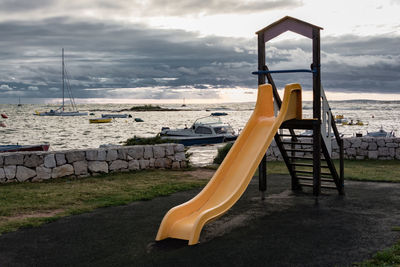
{"x":298,"y":150}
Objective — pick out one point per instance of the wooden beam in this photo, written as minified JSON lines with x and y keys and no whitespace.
{"x":288,"y":24}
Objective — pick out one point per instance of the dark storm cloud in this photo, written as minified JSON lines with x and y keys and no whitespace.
{"x":105,"y":55}
{"x":212,"y":7}
{"x":109,"y":55}
{"x":148,"y":8}
{"x":23,"y":5}
{"x":349,"y":63}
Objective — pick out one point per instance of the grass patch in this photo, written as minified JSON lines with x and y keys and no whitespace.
{"x":32,"y":204}
{"x":358,"y":170}
{"x":387,"y":257}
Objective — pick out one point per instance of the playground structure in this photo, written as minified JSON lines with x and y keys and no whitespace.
{"x":249,"y":151}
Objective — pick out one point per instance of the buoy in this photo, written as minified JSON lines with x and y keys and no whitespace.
{"x":4,"y":116}
{"x":2,"y":124}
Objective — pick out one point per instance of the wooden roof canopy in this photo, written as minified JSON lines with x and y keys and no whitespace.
{"x":288,"y":24}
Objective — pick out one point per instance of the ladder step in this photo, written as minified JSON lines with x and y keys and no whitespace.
{"x":322,"y":186}
{"x":311,"y":178}
{"x":307,"y":165}
{"x":296,"y":143}
{"x":299,"y":136}
{"x":305,"y":158}
{"x":299,"y":150}
{"x":310,"y":172}
{"x":300,"y":158}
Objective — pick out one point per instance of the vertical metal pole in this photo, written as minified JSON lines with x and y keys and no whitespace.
{"x":262,"y":176}
{"x":62,"y":77}
{"x":262,"y":167}
{"x":295,"y":184}
{"x":341,"y":155}
{"x":316,"y":111}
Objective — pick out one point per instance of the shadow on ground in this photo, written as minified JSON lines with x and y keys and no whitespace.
{"x":286,"y":229}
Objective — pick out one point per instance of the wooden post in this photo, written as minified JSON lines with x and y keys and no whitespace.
{"x":316,"y":65}
{"x":262,"y":167}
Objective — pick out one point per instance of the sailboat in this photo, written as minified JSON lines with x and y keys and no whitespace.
{"x":19,"y":102}
{"x":65,"y":87}
{"x":183,"y":105}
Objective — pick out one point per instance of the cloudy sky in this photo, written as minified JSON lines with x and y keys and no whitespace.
{"x":197,"y":49}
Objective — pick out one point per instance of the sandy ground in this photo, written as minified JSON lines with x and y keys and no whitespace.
{"x":286,"y":229}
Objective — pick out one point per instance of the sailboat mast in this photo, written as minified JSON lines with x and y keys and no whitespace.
{"x":63,"y":72}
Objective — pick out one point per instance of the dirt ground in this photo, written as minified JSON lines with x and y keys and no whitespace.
{"x":285,"y":229}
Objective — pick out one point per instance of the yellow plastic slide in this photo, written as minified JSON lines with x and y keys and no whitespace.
{"x":234,"y":174}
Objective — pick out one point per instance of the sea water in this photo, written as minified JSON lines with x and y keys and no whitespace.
{"x":76,"y":132}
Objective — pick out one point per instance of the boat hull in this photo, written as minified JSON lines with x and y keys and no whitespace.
{"x":114,"y":115}
{"x":17,"y":148}
{"x":100,"y":120}
{"x":61,"y":114}
{"x":198,"y":140}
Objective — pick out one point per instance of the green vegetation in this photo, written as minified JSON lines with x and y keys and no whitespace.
{"x":358,"y":170}
{"x":151,"y":108}
{"x":32,"y":204}
{"x":146,"y":141}
{"x":372,"y":170}
{"x":222,"y":152}
{"x":387,"y":257}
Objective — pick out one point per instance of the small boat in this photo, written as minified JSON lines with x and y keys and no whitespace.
{"x":139,"y":120}
{"x":61,"y":110}
{"x":337,"y":117}
{"x":116,"y":116}
{"x":100,"y":120}
{"x":206,"y":130}
{"x":2,"y":124}
{"x":17,"y":148}
{"x":219,"y":114}
{"x":351,"y":122}
{"x":4,"y":116}
{"x":381,"y":133}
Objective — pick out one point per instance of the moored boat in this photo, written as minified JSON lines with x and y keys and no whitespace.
{"x":381,"y":133}
{"x":206,"y":130}
{"x":116,"y":116}
{"x":100,"y":120}
{"x":17,"y":148}
{"x":352,"y":123}
{"x":61,"y":110}
{"x":219,"y":114}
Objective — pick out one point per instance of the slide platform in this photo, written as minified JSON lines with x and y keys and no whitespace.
{"x":236,"y":171}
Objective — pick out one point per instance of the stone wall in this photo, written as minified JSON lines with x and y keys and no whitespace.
{"x":382,"y":148}
{"x":38,"y":166}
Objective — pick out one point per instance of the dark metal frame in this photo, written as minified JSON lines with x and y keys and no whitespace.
{"x":312,"y":32}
